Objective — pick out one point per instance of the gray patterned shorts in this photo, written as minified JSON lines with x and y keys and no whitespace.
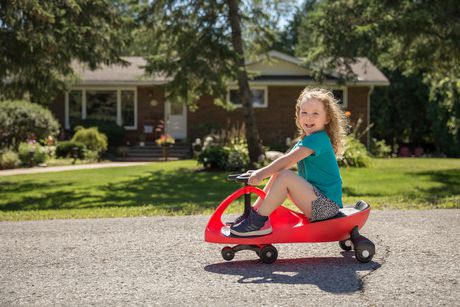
{"x":322,"y":208}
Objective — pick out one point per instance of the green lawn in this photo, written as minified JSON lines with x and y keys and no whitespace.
{"x":175,"y":188}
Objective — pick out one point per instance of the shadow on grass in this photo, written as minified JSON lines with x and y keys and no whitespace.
{"x":331,"y":274}
{"x":170,"y":190}
{"x":449,"y":180}
{"x":167,"y":190}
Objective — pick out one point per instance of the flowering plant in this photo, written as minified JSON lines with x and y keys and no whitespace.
{"x":165,"y":140}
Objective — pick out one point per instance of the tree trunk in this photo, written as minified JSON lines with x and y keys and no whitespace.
{"x":252,"y":133}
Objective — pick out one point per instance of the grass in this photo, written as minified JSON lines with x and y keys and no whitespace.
{"x":175,"y":188}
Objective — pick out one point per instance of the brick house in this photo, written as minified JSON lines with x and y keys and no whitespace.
{"x":128,"y":97}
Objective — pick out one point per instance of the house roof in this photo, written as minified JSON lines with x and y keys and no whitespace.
{"x":131,"y":74}
{"x":279,"y":68}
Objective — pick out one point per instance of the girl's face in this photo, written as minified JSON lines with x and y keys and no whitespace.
{"x":312,"y":116}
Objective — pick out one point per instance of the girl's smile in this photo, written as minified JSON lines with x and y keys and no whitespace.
{"x":312,"y":116}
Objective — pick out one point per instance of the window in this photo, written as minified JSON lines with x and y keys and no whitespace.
{"x":127,"y":109}
{"x":117,"y":105}
{"x":259,"y":97}
{"x":101,"y":105}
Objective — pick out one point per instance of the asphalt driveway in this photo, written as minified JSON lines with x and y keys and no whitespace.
{"x":164,"y":261}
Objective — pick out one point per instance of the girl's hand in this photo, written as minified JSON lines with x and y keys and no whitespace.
{"x":254,"y":179}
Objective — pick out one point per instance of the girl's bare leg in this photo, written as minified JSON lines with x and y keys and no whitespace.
{"x":266,"y":189}
{"x":288,"y":183}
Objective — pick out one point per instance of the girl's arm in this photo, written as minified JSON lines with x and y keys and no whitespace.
{"x":279,"y":164}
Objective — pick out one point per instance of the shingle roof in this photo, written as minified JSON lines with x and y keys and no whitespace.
{"x":134,"y":74}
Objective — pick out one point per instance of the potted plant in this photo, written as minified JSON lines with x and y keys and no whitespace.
{"x":165,"y":141}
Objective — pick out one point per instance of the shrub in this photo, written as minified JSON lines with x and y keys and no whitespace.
{"x":39,"y":155}
{"x":20,"y":119}
{"x":91,"y":155}
{"x":92,"y":138}
{"x":355,"y":154}
{"x":65,"y":150}
{"x":9,"y":159}
{"x":226,"y":150}
{"x":122,"y":151}
{"x":214,"y":157}
{"x":115,"y":134}
{"x":238,"y":157}
{"x":380,"y":149}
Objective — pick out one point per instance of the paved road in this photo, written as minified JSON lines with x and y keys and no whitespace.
{"x":164,"y":261}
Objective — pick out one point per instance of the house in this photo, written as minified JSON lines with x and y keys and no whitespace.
{"x":123,"y":94}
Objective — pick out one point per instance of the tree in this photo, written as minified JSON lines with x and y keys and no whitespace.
{"x":203,"y":45}
{"x":40,"y":39}
{"x":415,"y":38}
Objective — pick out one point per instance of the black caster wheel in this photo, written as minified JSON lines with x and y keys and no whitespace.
{"x":228,"y":253}
{"x":268,"y":254}
{"x":364,"y":252}
{"x":346,"y":245}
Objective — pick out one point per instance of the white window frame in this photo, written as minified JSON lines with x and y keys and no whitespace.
{"x":118,"y":106}
{"x":251,"y":87}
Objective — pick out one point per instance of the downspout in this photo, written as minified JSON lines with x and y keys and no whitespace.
{"x":369,"y":115}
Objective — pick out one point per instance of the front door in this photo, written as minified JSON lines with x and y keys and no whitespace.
{"x":176,"y":120}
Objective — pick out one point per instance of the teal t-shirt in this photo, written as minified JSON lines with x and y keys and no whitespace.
{"x":321,"y":168}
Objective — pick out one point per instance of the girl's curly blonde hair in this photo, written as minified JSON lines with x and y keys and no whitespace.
{"x":336,"y":128}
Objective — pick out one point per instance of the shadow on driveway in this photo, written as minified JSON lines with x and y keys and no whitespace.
{"x":331,"y":274}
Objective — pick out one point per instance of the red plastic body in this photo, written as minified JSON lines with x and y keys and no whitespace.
{"x":288,"y":226}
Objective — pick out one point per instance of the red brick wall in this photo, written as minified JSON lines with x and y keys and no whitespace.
{"x":275,"y":123}
{"x":150,"y":110}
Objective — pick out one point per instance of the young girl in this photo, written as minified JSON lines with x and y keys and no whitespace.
{"x":317,"y":188}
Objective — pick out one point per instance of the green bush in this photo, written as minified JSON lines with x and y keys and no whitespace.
{"x":39,"y":155}
{"x":9,"y":159}
{"x":115,"y":134}
{"x":355,"y":154}
{"x":238,"y":157}
{"x":214,"y":157}
{"x":380,"y":149}
{"x":92,"y":138}
{"x":65,"y":150}
{"x":20,"y":119}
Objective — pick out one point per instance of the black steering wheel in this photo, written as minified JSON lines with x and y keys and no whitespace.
{"x":243,"y":177}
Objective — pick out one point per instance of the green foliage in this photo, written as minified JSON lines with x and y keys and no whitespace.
{"x":355,"y":154}
{"x":9,"y":159}
{"x":444,"y":112}
{"x":214,"y":157}
{"x":380,"y":149}
{"x":40,"y":39}
{"x":25,"y":151}
{"x":115,"y":134}
{"x":66,"y":150}
{"x":421,"y":45}
{"x":227,"y":150}
{"x":92,"y":139}
{"x":203,"y":45}
{"x":21,"y":119}
{"x":400,"y":111}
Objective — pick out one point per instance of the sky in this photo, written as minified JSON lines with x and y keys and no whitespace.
{"x":284,"y":21}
